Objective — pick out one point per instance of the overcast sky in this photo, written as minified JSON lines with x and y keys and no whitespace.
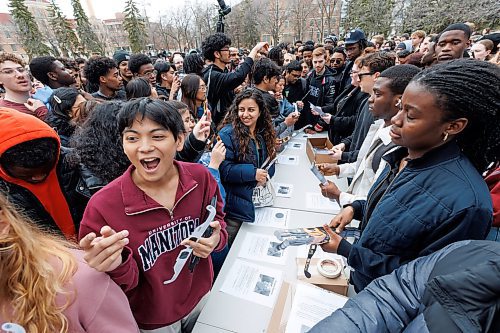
{"x":105,"y":9}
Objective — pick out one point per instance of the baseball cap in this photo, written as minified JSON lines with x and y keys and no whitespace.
{"x":354,"y":36}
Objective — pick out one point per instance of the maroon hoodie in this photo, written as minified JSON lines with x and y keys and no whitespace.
{"x":155,"y":235}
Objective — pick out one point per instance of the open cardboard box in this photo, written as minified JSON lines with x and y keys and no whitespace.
{"x":322,"y":144}
{"x":339,"y":285}
{"x":283,"y":308}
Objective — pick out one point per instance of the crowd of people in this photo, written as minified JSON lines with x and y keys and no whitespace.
{"x":107,"y":166}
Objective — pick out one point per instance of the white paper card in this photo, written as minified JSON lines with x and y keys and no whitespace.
{"x":255,"y":283}
{"x":311,"y":305}
{"x":283,"y":190}
{"x":295,"y":145}
{"x":319,"y":202}
{"x":271,"y":217}
{"x":260,"y":247}
{"x":288,"y":160}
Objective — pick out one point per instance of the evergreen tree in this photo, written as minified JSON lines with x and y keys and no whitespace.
{"x":135,"y":26}
{"x":373,"y":16}
{"x":66,"y":37}
{"x":88,"y":38}
{"x":31,"y":38}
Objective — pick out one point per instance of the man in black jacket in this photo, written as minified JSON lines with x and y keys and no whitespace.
{"x":322,"y":89}
{"x":220,"y":82}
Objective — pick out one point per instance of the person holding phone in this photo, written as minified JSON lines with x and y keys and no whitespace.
{"x":248,"y":135}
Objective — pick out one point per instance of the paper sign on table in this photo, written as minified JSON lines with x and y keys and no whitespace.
{"x":271,"y":217}
{"x":260,"y":247}
{"x":255,"y":283}
{"x":311,"y":305}
{"x":283,"y":190}
{"x":288,"y":160}
{"x":319,"y":202}
{"x":295,"y":145}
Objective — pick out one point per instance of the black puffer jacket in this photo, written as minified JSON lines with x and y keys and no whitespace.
{"x":453,"y":290}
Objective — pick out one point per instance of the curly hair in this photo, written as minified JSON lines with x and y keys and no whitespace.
{"x":264,"y":125}
{"x":467,"y":88}
{"x":98,"y":143}
{"x":4,"y":56}
{"x":97,"y":67}
{"x":136,"y":61}
{"x":31,"y":154}
{"x":41,"y":66}
{"x":214,"y":43}
{"x":31,"y":278}
{"x":263,"y":68}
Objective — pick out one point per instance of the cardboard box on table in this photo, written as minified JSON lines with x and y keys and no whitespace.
{"x":282,"y":309}
{"x":339,"y":285}
{"x":315,"y":144}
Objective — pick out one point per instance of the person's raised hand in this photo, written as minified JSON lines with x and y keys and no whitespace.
{"x":327,"y":118}
{"x":342,"y":219}
{"x":201,"y":130}
{"x":333,"y":244}
{"x":291,"y":119}
{"x":329,"y":169}
{"x":261,"y":176}
{"x":330,"y":191}
{"x":218,"y":155}
{"x":205,"y":246}
{"x":32,"y":104}
{"x":104,"y":253}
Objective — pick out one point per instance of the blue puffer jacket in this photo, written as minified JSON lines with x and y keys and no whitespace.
{"x":453,"y":290}
{"x":238,"y":177}
{"x":434,"y":201}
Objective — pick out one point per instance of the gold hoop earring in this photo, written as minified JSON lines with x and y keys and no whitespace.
{"x":445,"y":136}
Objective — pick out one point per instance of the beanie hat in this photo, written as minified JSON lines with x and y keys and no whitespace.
{"x":120,"y":55}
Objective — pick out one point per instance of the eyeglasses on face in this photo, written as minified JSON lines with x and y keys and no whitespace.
{"x":150,"y":73}
{"x":337,"y":61}
{"x":360,"y":75}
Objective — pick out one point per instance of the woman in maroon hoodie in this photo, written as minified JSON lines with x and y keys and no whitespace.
{"x":135,"y":227}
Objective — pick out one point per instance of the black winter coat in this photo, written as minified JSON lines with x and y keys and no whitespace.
{"x":344,"y":112}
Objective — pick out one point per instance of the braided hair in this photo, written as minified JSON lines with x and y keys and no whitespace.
{"x":467,"y":88}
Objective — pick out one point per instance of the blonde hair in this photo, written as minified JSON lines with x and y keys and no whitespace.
{"x":319,"y":51}
{"x":34,"y":267}
{"x":419,"y":33}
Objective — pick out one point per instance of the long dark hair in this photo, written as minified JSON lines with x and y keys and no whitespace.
{"x":467,"y":88}
{"x":98,"y":143}
{"x":264,"y":124}
{"x":189,"y":86}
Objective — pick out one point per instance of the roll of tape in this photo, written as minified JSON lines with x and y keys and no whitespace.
{"x":329,"y":268}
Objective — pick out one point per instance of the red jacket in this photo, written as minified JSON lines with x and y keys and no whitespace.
{"x":154,"y":235}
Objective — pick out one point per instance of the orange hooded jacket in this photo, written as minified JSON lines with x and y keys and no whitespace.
{"x":17,"y":127}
